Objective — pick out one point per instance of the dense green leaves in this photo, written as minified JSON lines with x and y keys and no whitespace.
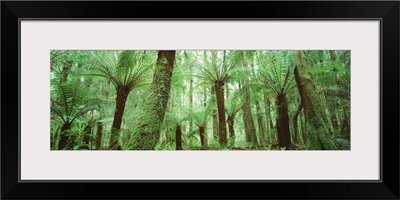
{"x":135,"y":92}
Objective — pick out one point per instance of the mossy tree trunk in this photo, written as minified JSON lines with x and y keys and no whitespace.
{"x":270,"y":124}
{"x":249,"y":123}
{"x":215,"y":116}
{"x":64,"y":138}
{"x":295,"y":124}
{"x":219,"y":92}
{"x":303,"y":127}
{"x":148,"y":132}
{"x":99,"y":135}
{"x":317,"y":126}
{"x":282,"y":122}
{"x":231,"y":124}
{"x":122,"y":96}
{"x":261,"y":125}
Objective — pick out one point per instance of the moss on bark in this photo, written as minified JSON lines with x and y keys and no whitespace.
{"x":147,"y":133}
{"x":317,"y":128}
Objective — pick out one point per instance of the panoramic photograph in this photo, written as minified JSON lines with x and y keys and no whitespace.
{"x":210,"y":100}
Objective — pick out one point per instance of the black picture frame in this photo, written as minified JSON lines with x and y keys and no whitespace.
{"x":386,"y":11}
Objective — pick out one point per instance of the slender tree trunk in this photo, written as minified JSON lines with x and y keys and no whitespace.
{"x":99,"y":135}
{"x":270,"y":125}
{"x":318,"y":133}
{"x":202,"y":136}
{"x":250,"y":130}
{"x":345,"y":129}
{"x":64,"y":139}
{"x":244,"y":118}
{"x":178,"y":137}
{"x":261,"y":125}
{"x":282,"y":122}
{"x":295,"y":124}
{"x":215,"y":117}
{"x":191,"y":103}
{"x":231,"y":124}
{"x":303,"y":127}
{"x":167,"y":137}
{"x":268,"y":112}
{"x":219,"y":91}
{"x":148,"y":133}
{"x":122,"y":96}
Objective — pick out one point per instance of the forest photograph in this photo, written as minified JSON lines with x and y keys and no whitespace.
{"x":229,"y":100}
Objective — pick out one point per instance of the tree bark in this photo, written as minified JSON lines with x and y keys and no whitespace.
{"x":261,"y":125}
{"x":122,"y":96}
{"x":303,"y":128}
{"x":231,"y":124}
{"x":202,"y":136}
{"x":219,"y":91}
{"x":318,"y":134}
{"x":295,"y":124}
{"x":250,"y":128}
{"x":148,"y":133}
{"x":215,"y":117}
{"x":64,"y":139}
{"x":190,"y":103}
{"x":99,"y":135}
{"x":178,"y":137}
{"x":282,"y":122}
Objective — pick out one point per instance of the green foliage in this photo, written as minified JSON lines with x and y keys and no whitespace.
{"x":277,"y":71}
{"x":80,"y":78}
{"x":123,"y":69}
{"x":343,"y":143}
{"x":70,"y":101}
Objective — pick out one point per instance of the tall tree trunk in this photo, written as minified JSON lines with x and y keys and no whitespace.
{"x":261,"y":125}
{"x":122,"y":96}
{"x":282,"y":122}
{"x":231,"y":124}
{"x":99,"y":135}
{"x":148,"y":133}
{"x":178,"y":137}
{"x":250,"y":130}
{"x":295,"y":124}
{"x":64,"y":138}
{"x":167,"y":137}
{"x":219,"y":91}
{"x":202,"y":136}
{"x":270,"y":125}
{"x":215,"y":116}
{"x":318,"y":133}
{"x":191,"y":103}
{"x":246,"y":126}
{"x":345,"y":129}
{"x":303,"y":127}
